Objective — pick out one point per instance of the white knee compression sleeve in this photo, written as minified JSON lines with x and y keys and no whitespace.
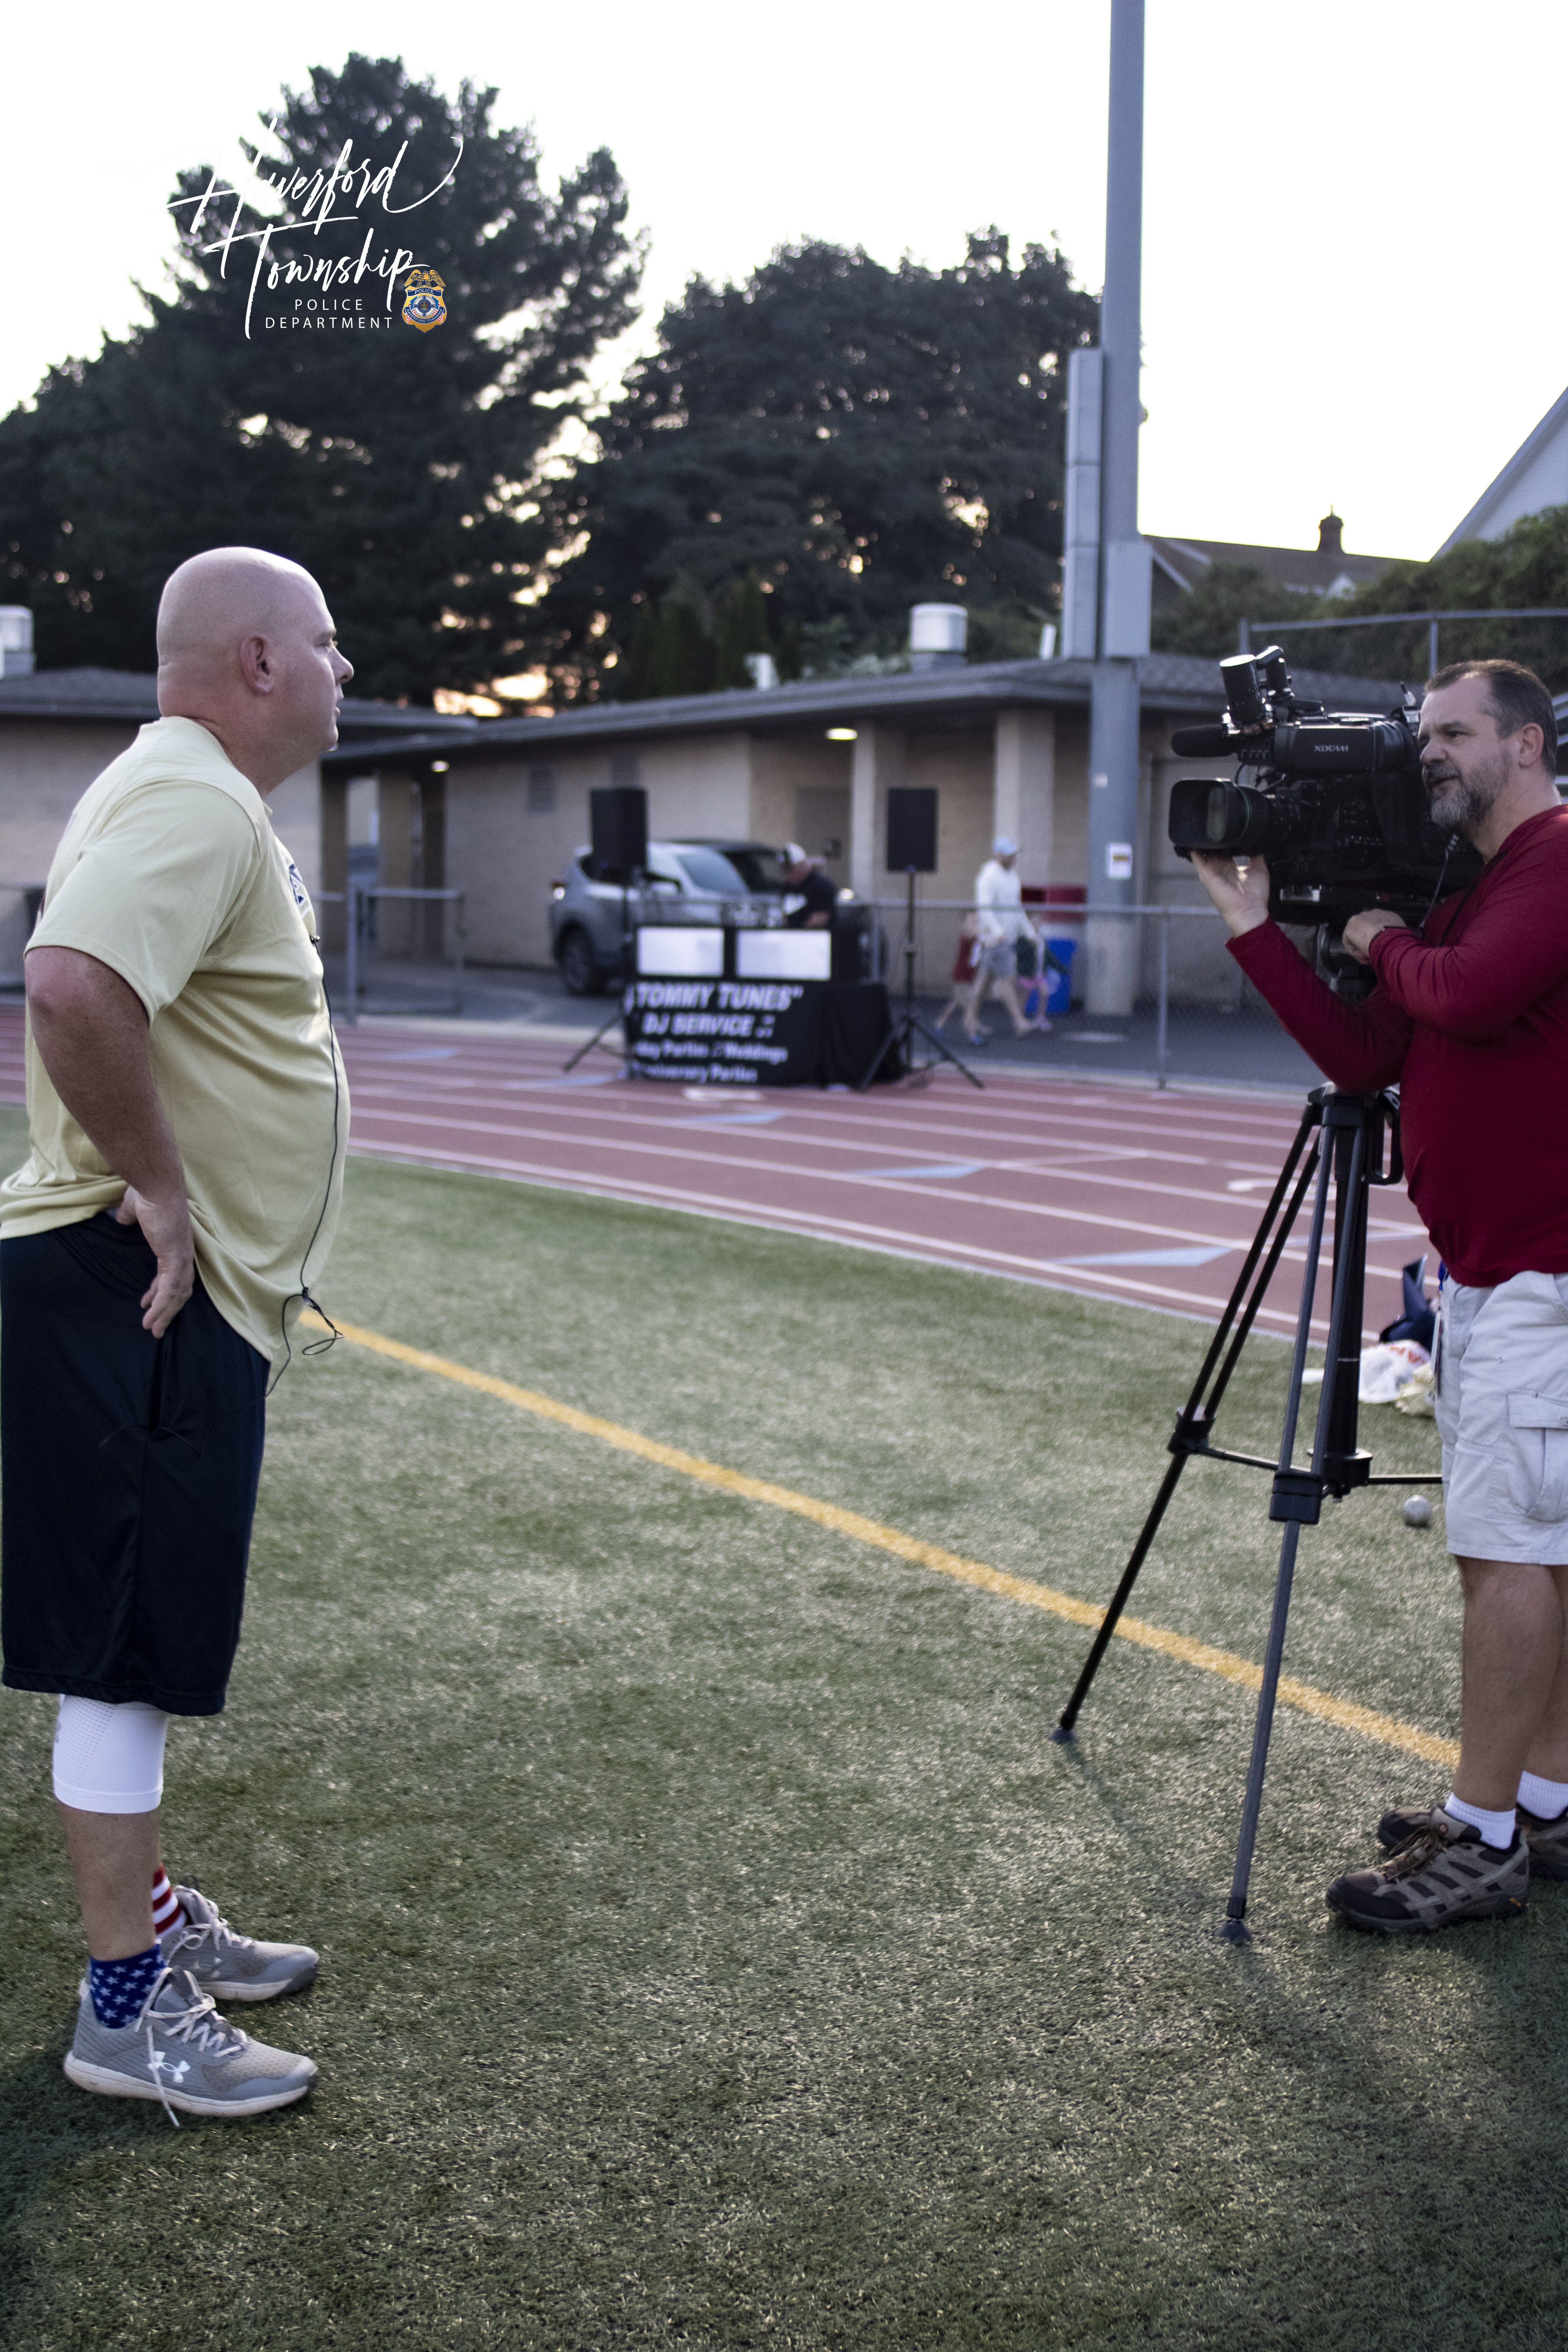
{"x":110,"y":1759}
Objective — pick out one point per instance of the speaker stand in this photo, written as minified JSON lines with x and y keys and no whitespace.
{"x":909,"y":1025}
{"x":628,"y":960}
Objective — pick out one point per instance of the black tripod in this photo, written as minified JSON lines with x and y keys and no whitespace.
{"x":629,"y":961}
{"x":1341,"y":1140}
{"x":908,"y":1025}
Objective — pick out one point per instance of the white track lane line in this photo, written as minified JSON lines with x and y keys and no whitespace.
{"x":585,"y":1114}
{"x":1116,"y":1224}
{"x":1038,"y":1101}
{"x":798,"y":1130}
{"x":1045,"y":1131}
{"x":804,"y":1221}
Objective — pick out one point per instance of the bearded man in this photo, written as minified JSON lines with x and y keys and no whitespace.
{"x":1469,"y":1017}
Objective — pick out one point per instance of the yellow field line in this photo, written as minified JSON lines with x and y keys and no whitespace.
{"x":920,"y":1554}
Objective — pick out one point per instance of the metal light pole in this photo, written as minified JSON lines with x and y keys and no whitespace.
{"x":1124,"y":563}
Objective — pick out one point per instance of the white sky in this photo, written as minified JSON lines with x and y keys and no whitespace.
{"x":1351,"y":278}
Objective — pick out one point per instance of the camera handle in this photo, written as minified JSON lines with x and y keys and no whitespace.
{"x":1348,"y":1143}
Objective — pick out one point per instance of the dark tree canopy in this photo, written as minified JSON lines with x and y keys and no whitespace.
{"x":392,"y":463}
{"x":858,"y":438}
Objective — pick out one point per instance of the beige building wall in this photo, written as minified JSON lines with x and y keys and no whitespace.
{"x":513,"y":824}
{"x":960,"y":767}
{"x":877,"y":764}
{"x":696,"y":787}
{"x":1024,"y":798}
{"x":802,"y":791}
{"x":511,"y":828}
{"x":46,"y":765}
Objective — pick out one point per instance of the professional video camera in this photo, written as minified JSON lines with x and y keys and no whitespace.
{"x":1338,"y":809}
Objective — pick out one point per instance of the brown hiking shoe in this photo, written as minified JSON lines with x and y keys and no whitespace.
{"x":1443,"y":1873}
{"x":1547,"y":1841}
{"x":1404,"y":1822}
{"x":1547,"y":1844}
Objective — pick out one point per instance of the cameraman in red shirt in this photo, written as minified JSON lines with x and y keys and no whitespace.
{"x":1469,"y":1017}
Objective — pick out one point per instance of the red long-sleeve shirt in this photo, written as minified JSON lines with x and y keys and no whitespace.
{"x":1470,"y":1018}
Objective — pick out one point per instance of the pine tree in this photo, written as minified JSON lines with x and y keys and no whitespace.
{"x":640,"y":680}
{"x":686,"y":648}
{"x":742,"y":629}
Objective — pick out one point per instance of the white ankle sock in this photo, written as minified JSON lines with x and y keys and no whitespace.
{"x":1496,"y":1829}
{"x":1545,"y":1798}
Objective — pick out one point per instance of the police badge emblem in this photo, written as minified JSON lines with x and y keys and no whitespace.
{"x":423,"y":303}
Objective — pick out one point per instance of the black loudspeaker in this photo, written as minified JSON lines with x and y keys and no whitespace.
{"x":617,"y":826}
{"x":912,"y":829}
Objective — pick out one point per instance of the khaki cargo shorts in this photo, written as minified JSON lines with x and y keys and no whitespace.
{"x":1501,"y":1396}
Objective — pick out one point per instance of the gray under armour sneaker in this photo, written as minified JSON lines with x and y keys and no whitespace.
{"x":181,"y":2051}
{"x":229,"y":1965}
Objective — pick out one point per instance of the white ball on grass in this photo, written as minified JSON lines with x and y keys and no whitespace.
{"x":1417,"y":1512}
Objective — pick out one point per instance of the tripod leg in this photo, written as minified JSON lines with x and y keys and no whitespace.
{"x":1235,"y":1930}
{"x":596,"y":1039}
{"x":1120,"y":1597}
{"x":1240,"y":1311}
{"x":913,"y":1024}
{"x":883,"y":1050}
{"x":1296,"y":1509}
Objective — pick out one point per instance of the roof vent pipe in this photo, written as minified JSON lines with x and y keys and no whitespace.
{"x":938,"y":635}
{"x":16,"y":641}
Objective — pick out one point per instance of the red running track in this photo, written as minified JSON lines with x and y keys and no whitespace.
{"x":1144,"y":1197}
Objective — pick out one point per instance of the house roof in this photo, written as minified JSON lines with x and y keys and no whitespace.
{"x":967,"y":692}
{"x":1474,"y":525}
{"x":115,"y":694}
{"x":1314,"y":570}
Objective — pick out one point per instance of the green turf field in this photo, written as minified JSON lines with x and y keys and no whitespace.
{"x":716,"y":1952}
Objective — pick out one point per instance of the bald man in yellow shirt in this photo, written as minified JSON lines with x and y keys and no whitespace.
{"x":188,"y":1115}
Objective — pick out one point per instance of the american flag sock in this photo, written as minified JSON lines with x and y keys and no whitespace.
{"x":119,"y":1987}
{"x":168,"y":1911}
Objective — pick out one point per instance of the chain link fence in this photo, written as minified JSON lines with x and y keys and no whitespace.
{"x":1411,"y":646}
{"x":1191,"y":1014}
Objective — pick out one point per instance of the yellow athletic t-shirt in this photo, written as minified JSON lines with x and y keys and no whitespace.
{"x":169,"y":872}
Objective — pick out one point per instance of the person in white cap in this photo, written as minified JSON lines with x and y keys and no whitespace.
{"x":812,"y":909}
{"x":999,"y":903}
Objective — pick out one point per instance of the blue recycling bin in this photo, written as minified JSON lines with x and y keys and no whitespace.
{"x":1058,"y":984}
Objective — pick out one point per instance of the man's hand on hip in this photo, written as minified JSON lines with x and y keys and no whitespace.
{"x":166,"y":1229}
{"x":1241,"y":895}
{"x":1362,"y":929}
{"x":90,"y":1029}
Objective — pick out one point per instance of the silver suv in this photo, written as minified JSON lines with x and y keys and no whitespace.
{"x":692,"y":880}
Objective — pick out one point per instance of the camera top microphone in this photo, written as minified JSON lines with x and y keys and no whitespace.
{"x":1209,"y":743}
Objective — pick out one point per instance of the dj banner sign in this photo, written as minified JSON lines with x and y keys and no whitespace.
{"x":736,"y":1032}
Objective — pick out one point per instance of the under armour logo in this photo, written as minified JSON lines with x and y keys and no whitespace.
{"x":158,"y":2065}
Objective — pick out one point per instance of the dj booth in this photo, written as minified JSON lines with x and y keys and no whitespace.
{"x":724,"y":1006}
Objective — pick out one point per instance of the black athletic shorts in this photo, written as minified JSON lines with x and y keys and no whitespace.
{"x":130,"y":1466}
